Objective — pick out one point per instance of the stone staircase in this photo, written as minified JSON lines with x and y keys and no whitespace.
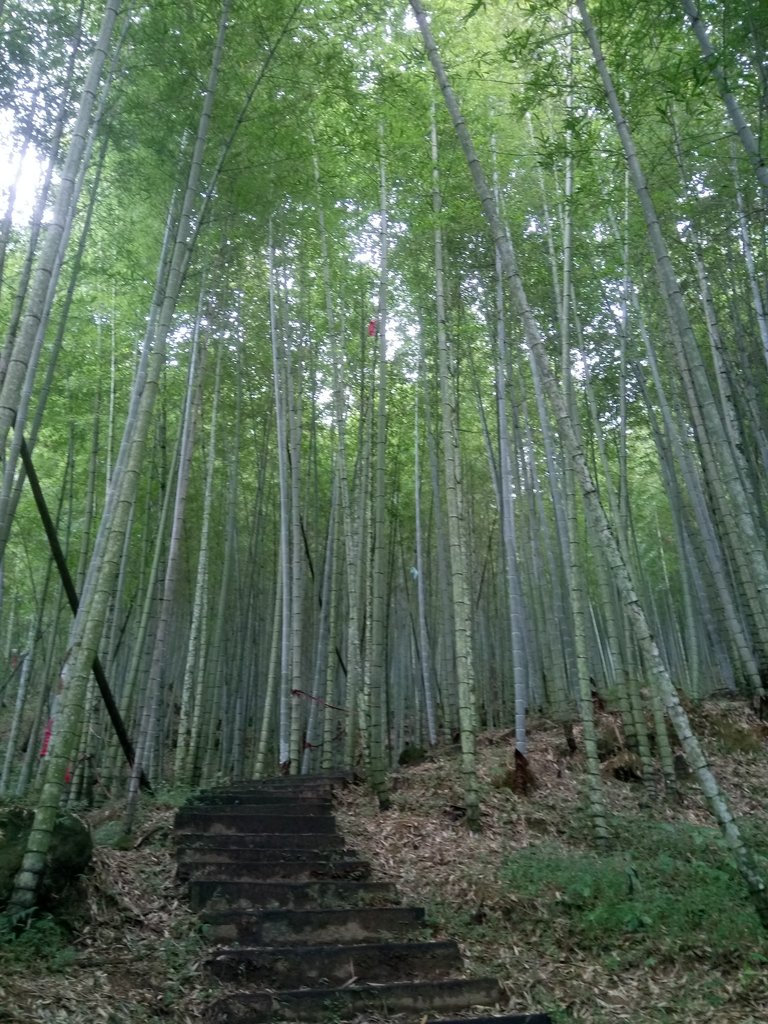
{"x":298,"y":925}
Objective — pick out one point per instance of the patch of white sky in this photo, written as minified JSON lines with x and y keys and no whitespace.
{"x":697,"y":189}
{"x":603,"y":334}
{"x":368,"y":75}
{"x":367,"y":251}
{"x":401,"y":329}
{"x":21,"y":172}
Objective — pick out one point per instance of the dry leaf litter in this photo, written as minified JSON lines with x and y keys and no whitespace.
{"x":440,"y":863}
{"x":138,"y":958}
{"x":135,"y":959}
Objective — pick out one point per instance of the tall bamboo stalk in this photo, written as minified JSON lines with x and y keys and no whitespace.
{"x":603,"y":531}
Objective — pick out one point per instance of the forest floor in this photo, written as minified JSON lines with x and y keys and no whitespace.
{"x":654,"y":930}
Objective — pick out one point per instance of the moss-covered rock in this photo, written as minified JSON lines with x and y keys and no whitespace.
{"x":69,"y":856}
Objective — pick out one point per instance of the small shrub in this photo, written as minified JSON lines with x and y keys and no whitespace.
{"x":172,"y":796}
{"x":111,"y":835}
{"x":31,"y":940}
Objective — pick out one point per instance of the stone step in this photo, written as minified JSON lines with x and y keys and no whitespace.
{"x":254,"y":824}
{"x":239,"y":854}
{"x":259,"y":841}
{"x":291,"y":793}
{"x":281,"y":890}
{"x":333,"y":776}
{"x":326,"y":782}
{"x":284,"y":927}
{"x":314,"y":1004}
{"x":288,"y":895}
{"x":227,"y":798}
{"x":267,"y":871}
{"x":323,"y":966}
{"x":190,"y":859}
{"x":505,"y":1018}
{"x":254,"y":808}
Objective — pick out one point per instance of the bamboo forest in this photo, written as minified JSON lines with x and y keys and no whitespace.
{"x":378,"y":379}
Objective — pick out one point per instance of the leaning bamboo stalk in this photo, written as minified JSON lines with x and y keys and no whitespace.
{"x":88,"y":627}
{"x":721,"y":466}
{"x":714,"y":63}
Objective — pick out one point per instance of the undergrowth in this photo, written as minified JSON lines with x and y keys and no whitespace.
{"x":35,"y":941}
{"x":662,"y":890}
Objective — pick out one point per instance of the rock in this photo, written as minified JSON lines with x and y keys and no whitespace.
{"x":411,"y":754}
{"x":69,"y":856}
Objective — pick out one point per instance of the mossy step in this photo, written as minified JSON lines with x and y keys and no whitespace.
{"x":287,"y":783}
{"x":267,"y":871}
{"x":288,"y":895}
{"x":334,"y":965}
{"x":250,"y":824}
{"x":343,"y":775}
{"x":283,"y":927}
{"x":312,"y":1004}
{"x":335,"y":934}
{"x":193,"y":861}
{"x":238,"y":854}
{"x":280,"y":808}
{"x":226,"y":798}
{"x":259,"y":841}
{"x":291,"y":792}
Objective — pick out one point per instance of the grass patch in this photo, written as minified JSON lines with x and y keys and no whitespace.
{"x":34,"y":941}
{"x":663,"y":891}
{"x":735,"y":737}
